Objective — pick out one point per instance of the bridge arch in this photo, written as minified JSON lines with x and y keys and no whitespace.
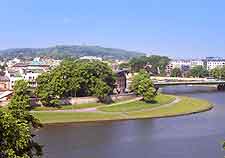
{"x":221,"y":87}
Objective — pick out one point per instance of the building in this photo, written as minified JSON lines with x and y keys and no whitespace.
{"x":121,"y":81}
{"x":214,"y":63}
{"x":178,"y":63}
{"x":91,"y":58}
{"x":183,"y":64}
{"x":4,"y":83}
{"x":13,"y":77}
{"x":27,"y":71}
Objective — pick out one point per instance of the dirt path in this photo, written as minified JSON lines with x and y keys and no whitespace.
{"x":177,"y":100}
{"x":95,"y":109}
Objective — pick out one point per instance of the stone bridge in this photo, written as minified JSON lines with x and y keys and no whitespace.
{"x":220,"y":84}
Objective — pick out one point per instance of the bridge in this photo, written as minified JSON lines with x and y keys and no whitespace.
{"x":220,"y":84}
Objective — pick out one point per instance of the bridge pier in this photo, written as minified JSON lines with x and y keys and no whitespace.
{"x":221,"y":87}
{"x":156,"y":89}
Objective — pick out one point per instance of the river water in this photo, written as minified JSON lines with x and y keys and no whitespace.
{"x":193,"y":136}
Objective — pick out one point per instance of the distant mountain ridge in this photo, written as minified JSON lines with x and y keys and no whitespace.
{"x":71,"y":51}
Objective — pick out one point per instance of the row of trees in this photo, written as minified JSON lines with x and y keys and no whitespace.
{"x":218,"y":72}
{"x":16,"y":124}
{"x":154,"y":64}
{"x":197,"y":71}
{"x":74,"y":78}
{"x":200,"y":71}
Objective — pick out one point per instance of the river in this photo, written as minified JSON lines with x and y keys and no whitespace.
{"x":194,"y":136}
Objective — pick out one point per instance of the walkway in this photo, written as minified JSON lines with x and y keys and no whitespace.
{"x":95,"y":109}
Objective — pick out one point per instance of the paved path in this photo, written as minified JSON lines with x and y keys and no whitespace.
{"x":95,"y":109}
{"x":178,"y":99}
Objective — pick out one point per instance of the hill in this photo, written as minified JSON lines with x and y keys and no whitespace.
{"x":71,"y":51}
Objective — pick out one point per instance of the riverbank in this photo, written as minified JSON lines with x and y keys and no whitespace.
{"x":164,"y":106}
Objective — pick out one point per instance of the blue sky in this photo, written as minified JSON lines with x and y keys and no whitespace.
{"x":192,"y":28}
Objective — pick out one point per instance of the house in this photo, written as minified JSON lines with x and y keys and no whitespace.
{"x":13,"y":76}
{"x":4,"y":83}
{"x":26,"y":71}
{"x":121,"y":81}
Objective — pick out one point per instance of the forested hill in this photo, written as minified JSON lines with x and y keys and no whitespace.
{"x":68,"y":51}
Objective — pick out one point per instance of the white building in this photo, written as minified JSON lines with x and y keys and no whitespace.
{"x":211,"y":64}
{"x":13,"y":77}
{"x":91,"y":58}
{"x":183,"y":64}
{"x":197,"y":62}
{"x":28,"y":72}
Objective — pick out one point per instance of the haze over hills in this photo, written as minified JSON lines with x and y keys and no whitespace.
{"x":71,"y":51}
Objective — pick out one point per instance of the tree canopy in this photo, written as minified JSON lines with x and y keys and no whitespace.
{"x":156,"y":63}
{"x":143,"y":86}
{"x":218,"y":72}
{"x":176,"y":72}
{"x":199,"y":71}
{"x":75,"y":78}
{"x":16,"y":124}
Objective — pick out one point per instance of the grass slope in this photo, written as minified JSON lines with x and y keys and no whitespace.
{"x":139,"y":105}
{"x":185,"y":106}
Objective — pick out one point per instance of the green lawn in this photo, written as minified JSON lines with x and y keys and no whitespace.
{"x":67,"y":107}
{"x":126,"y":111}
{"x":139,"y":105}
{"x":185,"y":106}
{"x":62,"y":117}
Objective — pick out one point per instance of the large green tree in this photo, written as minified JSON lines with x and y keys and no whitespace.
{"x":218,"y":72}
{"x":157,"y":64}
{"x":75,"y":78}
{"x":176,"y":72}
{"x":16,"y":124}
{"x":143,"y":86}
{"x":199,"y":71}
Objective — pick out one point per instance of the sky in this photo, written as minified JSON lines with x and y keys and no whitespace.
{"x":176,"y":28}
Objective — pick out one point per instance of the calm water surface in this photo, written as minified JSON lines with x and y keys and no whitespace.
{"x":193,"y":136}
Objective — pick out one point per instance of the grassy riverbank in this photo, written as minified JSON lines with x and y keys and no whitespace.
{"x":139,"y":105}
{"x":164,"y":106}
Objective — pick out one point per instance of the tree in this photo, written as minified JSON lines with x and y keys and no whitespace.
{"x":143,"y":86}
{"x":16,"y":138}
{"x":124,"y":66}
{"x":75,"y":78}
{"x":176,"y":72}
{"x":218,"y":72}
{"x":199,"y":71}
{"x":157,"y":63}
{"x":101,"y":90}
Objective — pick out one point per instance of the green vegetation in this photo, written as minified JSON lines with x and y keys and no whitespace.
{"x":62,"y":117}
{"x":143,"y":86}
{"x":218,"y":72}
{"x":139,"y":105}
{"x":74,"y":78}
{"x":61,"y":52}
{"x":185,"y":106}
{"x":176,"y":72}
{"x":16,"y":126}
{"x":154,"y":64}
{"x":67,"y":107}
{"x":199,"y":71}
